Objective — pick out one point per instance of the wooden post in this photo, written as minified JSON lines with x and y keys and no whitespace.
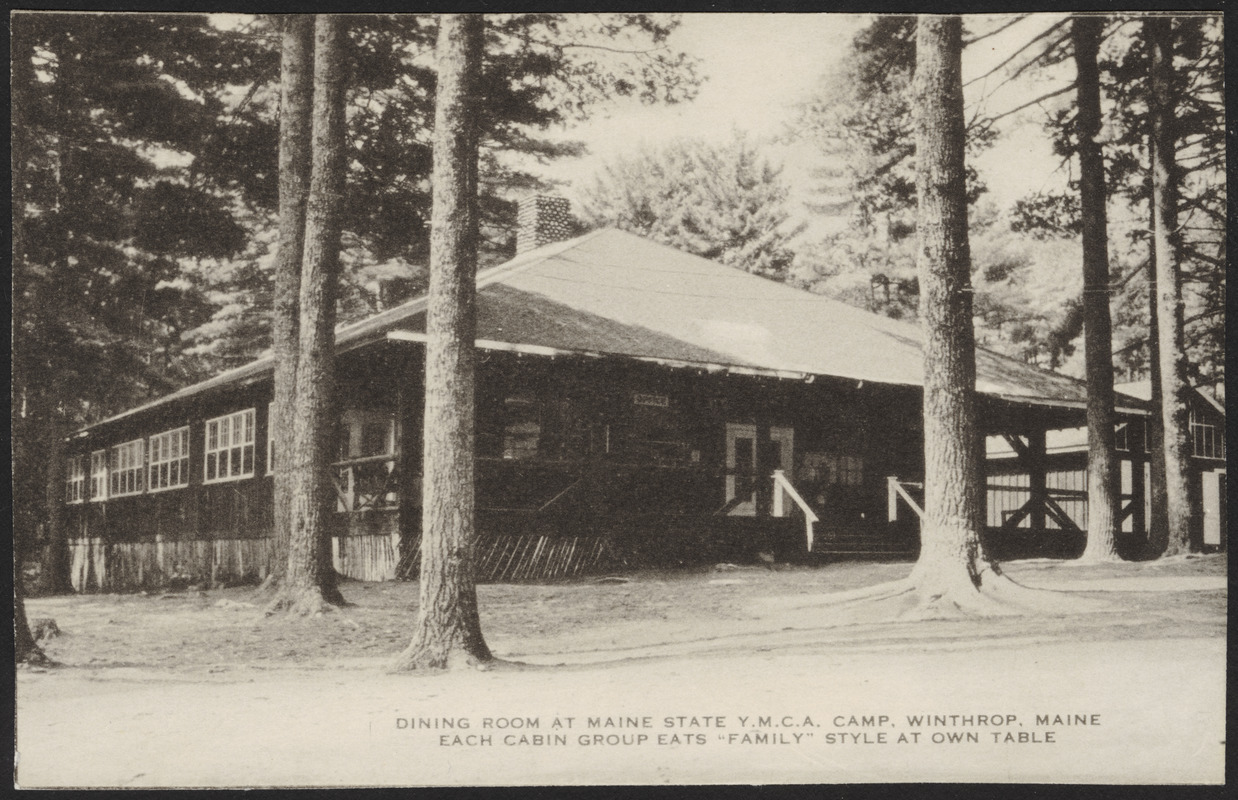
{"x":1138,"y":457}
{"x":1037,"y":479}
{"x":891,"y":498}
{"x":410,"y":398}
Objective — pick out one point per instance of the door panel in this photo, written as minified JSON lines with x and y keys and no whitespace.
{"x":777,"y":452}
{"x":741,"y":467}
{"x":781,"y":455}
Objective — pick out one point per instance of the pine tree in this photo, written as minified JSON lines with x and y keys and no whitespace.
{"x":952,"y":564}
{"x":296,"y":102}
{"x":309,"y":584}
{"x":1175,"y":388}
{"x":448,"y":629}
{"x":723,"y":202}
{"x":1102,"y":526}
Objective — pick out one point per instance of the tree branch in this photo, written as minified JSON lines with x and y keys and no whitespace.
{"x":1018,"y":18}
{"x":1042,"y":35}
{"x":988,"y":122}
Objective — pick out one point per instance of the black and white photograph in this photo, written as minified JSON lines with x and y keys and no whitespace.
{"x":618,"y":399}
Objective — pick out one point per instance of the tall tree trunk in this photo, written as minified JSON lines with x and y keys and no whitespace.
{"x":310,"y":581}
{"x":448,"y":627}
{"x":1158,"y":513}
{"x":54,"y":561}
{"x":295,"y":114}
{"x":22,"y":78}
{"x":1175,"y":389}
{"x":1102,"y":529}
{"x":952,"y":562}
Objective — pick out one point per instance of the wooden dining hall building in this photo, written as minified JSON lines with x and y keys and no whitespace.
{"x":635,"y":406}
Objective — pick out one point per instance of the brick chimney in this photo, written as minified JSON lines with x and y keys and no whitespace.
{"x":542,"y":219}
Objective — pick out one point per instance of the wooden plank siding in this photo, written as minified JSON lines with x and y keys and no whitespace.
{"x":616,"y":463}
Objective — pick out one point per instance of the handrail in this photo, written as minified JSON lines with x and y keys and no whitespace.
{"x":781,"y":482}
{"x":894,"y":490}
{"x":351,"y":496}
{"x":357,"y":462}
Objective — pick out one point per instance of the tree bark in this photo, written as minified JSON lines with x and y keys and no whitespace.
{"x":952,"y":563}
{"x":25,"y":339}
{"x":1102,"y":528}
{"x":1175,"y":389}
{"x":54,"y":561}
{"x":448,"y":629}
{"x":295,"y":114}
{"x":1158,"y":517}
{"x":310,"y":580}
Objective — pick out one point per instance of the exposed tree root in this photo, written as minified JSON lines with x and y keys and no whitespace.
{"x":427,"y":659}
{"x":991,"y":594}
{"x":1099,"y":557}
{"x":314,"y":601}
{"x":270,"y":585}
{"x":35,"y":657}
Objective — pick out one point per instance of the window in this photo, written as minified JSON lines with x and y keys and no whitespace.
{"x":229,"y":452}
{"x":366,"y":433}
{"x":169,"y":460}
{"x":75,"y":480}
{"x":1205,"y":443}
{"x":832,"y":470}
{"x":125,"y":471}
{"x":848,"y":471}
{"x":98,"y":475}
{"x":1128,"y":436}
{"x":522,"y":428}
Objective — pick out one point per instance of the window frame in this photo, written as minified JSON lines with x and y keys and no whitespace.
{"x":117,"y":475}
{"x":249,"y":417}
{"x":98,"y":476}
{"x":182,"y":460}
{"x":1204,"y":437}
{"x":76,"y":484}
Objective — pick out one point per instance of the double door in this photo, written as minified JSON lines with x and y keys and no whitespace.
{"x":742,"y":475}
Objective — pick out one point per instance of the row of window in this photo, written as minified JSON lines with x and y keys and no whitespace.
{"x":162,"y":461}
{"x":1206,"y":440}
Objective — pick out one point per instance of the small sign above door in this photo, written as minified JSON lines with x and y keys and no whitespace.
{"x":659,"y":400}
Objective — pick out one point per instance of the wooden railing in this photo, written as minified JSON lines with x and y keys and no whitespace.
{"x":894,"y":491}
{"x":366,"y":483}
{"x":783,"y":487}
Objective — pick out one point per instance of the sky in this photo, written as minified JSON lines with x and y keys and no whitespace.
{"x":759,"y":66}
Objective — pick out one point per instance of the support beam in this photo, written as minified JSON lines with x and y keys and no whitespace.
{"x":1037,"y":478}
{"x":1063,"y":520}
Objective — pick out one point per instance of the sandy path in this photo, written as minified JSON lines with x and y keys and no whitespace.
{"x":196,"y":690}
{"x":322,"y":728}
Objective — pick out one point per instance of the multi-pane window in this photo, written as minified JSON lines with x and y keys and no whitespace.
{"x":229,"y":452}
{"x":522,"y":428}
{"x":169,"y":460}
{"x":75,"y":480}
{"x":1206,"y":442}
{"x":125,"y":470}
{"x":98,"y":475}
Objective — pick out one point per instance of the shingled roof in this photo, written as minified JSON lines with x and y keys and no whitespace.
{"x":613,"y":293}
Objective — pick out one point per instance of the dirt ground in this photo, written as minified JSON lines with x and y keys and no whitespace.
{"x":718,"y":675}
